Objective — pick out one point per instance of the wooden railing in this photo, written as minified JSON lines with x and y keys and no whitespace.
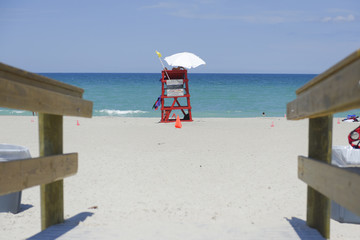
{"x":335,"y":90}
{"x":52,"y":100}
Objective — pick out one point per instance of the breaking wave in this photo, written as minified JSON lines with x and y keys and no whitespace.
{"x":112,"y":112}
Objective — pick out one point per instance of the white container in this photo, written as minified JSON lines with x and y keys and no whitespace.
{"x":341,"y":214}
{"x":11,"y":202}
{"x":175,"y":92}
{"x":175,"y":82}
{"x":345,"y":157}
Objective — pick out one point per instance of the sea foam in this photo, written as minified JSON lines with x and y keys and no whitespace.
{"x":113,"y":112}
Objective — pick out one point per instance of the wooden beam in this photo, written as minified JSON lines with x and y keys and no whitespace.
{"x":339,"y":92}
{"x":26,"y":97}
{"x":320,"y":147}
{"x":52,"y":194}
{"x":338,"y":184}
{"x":36,"y":80}
{"x":331,"y":71}
{"x":17,"y":175}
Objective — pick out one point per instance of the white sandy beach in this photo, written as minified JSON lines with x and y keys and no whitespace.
{"x":212,"y":179}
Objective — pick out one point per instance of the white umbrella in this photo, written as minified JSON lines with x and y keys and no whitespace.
{"x":184,"y":59}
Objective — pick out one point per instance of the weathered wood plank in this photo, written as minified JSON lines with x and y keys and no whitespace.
{"x":320,"y":147}
{"x":339,"y":92}
{"x":321,"y":77}
{"x":338,"y":184}
{"x":52,"y":194}
{"x":17,"y":175}
{"x":26,"y":97}
{"x":24,"y":77}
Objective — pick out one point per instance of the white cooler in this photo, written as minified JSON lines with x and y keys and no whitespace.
{"x":345,"y":157}
{"x":11,"y":202}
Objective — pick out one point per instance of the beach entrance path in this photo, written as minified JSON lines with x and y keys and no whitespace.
{"x":212,"y":179}
{"x":294,"y":229}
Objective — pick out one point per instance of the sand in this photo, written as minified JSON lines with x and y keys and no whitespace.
{"x":215,"y":178}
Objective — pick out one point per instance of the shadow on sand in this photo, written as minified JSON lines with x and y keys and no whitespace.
{"x":304,"y":231}
{"x":24,"y":207}
{"x":57,"y":230}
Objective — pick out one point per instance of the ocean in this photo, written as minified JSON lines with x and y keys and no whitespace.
{"x":212,"y":95}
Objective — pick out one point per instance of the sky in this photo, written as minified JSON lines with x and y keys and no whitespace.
{"x":231,"y":36}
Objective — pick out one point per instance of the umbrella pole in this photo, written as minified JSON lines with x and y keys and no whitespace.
{"x":164,"y":68}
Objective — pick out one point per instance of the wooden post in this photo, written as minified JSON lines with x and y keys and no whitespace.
{"x":320,"y":147}
{"x":51,"y":143}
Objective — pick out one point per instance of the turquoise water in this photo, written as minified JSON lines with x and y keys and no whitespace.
{"x":212,"y":95}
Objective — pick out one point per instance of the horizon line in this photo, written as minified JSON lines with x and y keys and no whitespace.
{"x":188,"y":72}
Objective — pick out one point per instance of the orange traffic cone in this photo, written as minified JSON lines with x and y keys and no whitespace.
{"x":178,"y":122}
{"x":78,"y":123}
{"x":272,"y":124}
{"x":338,"y":122}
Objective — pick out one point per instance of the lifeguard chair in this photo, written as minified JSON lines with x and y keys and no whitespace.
{"x":175,"y":95}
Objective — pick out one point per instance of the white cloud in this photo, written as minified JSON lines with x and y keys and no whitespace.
{"x":196,"y":10}
{"x":260,"y":19}
{"x":162,"y":5}
{"x":339,"y":10}
{"x":348,"y":18}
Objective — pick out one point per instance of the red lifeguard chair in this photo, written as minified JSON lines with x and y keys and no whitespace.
{"x":175,"y":95}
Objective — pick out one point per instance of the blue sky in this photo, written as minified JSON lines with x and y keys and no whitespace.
{"x":232,"y":36}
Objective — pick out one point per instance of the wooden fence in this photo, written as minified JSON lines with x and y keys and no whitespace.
{"x":52,"y":100}
{"x":335,"y":90}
